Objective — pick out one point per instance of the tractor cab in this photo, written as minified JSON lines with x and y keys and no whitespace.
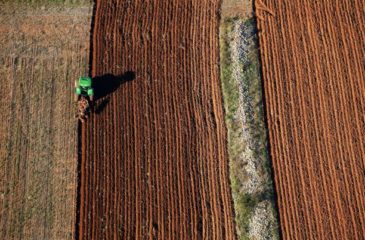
{"x":83,"y":87}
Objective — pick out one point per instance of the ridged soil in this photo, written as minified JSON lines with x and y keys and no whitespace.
{"x":313,"y":69}
{"x":154,"y":162}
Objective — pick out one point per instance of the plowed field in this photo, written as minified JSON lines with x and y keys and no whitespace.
{"x":313,"y":69}
{"x":153,"y":158}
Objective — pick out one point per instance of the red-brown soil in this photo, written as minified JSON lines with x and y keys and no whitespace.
{"x":313,"y":70}
{"x":154,"y":163}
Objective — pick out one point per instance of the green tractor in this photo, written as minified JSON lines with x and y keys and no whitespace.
{"x":83,"y":87}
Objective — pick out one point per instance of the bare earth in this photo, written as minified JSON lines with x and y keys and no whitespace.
{"x":42,"y":52}
{"x":313,"y":69}
{"x":154,"y":160}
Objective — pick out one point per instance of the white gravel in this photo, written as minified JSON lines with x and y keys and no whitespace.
{"x":253,"y":179}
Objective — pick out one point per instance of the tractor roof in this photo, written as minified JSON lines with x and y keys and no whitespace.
{"x":85,"y":81}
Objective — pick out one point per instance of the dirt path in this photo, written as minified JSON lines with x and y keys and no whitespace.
{"x":313,"y":56}
{"x":154,"y":160}
{"x":42,"y":51}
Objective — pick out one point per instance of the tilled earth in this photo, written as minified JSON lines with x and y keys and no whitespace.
{"x":154,"y":163}
{"x":313,"y":69}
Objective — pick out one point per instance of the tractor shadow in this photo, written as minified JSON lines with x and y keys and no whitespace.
{"x":105,"y":85}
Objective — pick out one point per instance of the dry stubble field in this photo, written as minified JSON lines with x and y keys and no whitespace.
{"x":42,"y":52}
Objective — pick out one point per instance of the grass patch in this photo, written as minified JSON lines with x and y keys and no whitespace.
{"x":249,"y":89}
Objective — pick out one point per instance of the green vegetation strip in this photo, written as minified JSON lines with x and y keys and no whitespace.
{"x":250,"y":168}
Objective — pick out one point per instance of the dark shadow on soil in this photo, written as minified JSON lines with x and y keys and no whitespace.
{"x":99,"y":107}
{"x":105,"y":85}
